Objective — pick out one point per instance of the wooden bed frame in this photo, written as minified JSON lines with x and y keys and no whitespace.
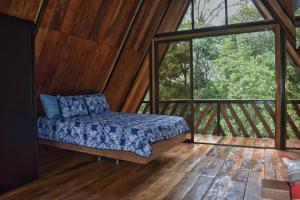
{"x":157,"y":149}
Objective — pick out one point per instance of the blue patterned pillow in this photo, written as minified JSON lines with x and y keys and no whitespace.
{"x":97,"y":103}
{"x":72,"y":106}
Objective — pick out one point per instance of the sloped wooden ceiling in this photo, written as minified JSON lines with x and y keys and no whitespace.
{"x":92,"y":46}
{"x":25,"y":9}
{"x":77,"y":43}
{"x":140,"y":84}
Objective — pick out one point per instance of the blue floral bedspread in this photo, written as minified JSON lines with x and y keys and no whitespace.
{"x":113,"y":131}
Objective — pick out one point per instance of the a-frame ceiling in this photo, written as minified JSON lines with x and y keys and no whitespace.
{"x":97,"y":46}
{"x":94,"y":46}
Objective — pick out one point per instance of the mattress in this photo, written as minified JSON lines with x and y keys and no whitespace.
{"x":113,"y":131}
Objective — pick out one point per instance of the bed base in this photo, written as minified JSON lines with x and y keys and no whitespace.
{"x":157,"y":149}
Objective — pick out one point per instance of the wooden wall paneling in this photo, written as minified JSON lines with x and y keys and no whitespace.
{"x":4,"y":6}
{"x":115,"y":24}
{"x":48,"y":14}
{"x":143,"y":30}
{"x":77,"y":43}
{"x":24,"y":9}
{"x":140,"y":85}
{"x":139,"y":88}
{"x":122,"y":42}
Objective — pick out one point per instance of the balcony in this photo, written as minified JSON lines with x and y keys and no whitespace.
{"x":233,"y":122}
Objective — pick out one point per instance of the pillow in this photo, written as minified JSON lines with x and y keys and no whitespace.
{"x":72,"y":106}
{"x":97,"y":103}
{"x":50,"y":106}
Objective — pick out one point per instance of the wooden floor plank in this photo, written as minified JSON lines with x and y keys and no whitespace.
{"x":189,"y":171}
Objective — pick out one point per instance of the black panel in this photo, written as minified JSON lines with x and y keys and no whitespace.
{"x":18,"y":146}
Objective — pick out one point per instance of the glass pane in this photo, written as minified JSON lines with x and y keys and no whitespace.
{"x":209,"y":13}
{"x":234,"y":89}
{"x":297,"y":36}
{"x":186,"y":23}
{"x":241,"y":11}
{"x":175,"y":81}
{"x":174,"y":72}
{"x":235,"y":66}
{"x":297,"y":8}
{"x":145,"y":105}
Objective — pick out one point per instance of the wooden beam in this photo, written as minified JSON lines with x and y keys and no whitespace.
{"x":280,"y":103}
{"x":279,"y":13}
{"x":290,"y":46}
{"x":40,"y":15}
{"x":215,"y":31}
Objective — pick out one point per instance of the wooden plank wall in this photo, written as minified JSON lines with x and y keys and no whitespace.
{"x":77,"y":43}
{"x":135,"y":48}
{"x":140,"y":85}
{"x":95,"y":46}
{"x":25,"y":9}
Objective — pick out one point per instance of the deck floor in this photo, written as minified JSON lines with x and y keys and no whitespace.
{"x":241,"y":141}
{"x":189,"y":171}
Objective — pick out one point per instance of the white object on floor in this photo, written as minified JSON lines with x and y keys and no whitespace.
{"x":293,"y":169}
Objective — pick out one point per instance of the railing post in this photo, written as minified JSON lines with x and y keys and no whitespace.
{"x":280,"y":103}
{"x":218,"y":130}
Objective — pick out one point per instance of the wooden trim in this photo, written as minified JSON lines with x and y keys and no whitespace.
{"x":250,"y":120}
{"x":263,"y":121}
{"x":293,"y":126}
{"x":280,"y":75}
{"x":209,"y":121}
{"x":278,"y":13}
{"x":157,"y":149}
{"x":237,"y":120}
{"x":40,"y":15}
{"x":201,"y":117}
{"x":226,"y":118}
{"x":270,"y":110}
{"x":262,"y":9}
{"x":215,"y":31}
{"x":296,"y":108}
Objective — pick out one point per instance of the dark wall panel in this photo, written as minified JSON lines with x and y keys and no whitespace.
{"x":18,"y":155}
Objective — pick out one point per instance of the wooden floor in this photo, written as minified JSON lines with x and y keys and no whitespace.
{"x":189,"y":171}
{"x":252,"y":142}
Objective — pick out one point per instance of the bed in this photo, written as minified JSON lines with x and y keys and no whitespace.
{"x":125,"y":136}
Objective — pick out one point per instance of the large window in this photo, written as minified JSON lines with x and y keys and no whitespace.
{"x":209,"y":13}
{"x":227,"y":87}
{"x":223,"y":82}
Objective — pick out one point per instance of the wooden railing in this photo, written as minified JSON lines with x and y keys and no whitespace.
{"x":237,"y":118}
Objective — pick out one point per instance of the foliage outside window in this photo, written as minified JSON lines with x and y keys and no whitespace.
{"x":238,"y":66}
{"x":208,"y":13}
